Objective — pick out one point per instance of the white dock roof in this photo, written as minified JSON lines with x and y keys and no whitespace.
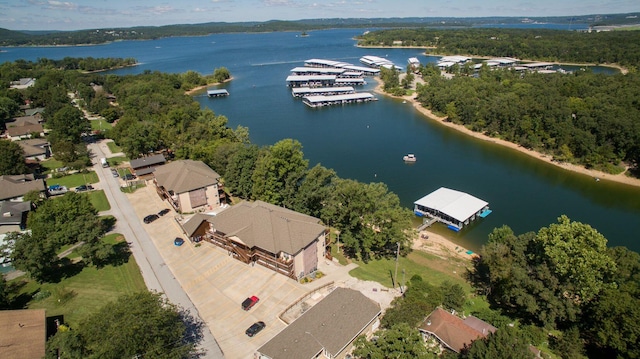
{"x":317,"y":70}
{"x":303,"y":90}
{"x":455,"y":204}
{"x":311,"y":77}
{"x":350,"y":96}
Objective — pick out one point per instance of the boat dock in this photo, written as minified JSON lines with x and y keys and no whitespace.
{"x":321,"y":100}
{"x":326,"y":91}
{"x":217,"y":93}
{"x":454,"y":208}
{"x":323,"y":81}
{"x":322,"y":63}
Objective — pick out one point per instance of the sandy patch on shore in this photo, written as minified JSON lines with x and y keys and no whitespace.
{"x":620,"y":178}
{"x":198,"y":89}
{"x":440,"y":246}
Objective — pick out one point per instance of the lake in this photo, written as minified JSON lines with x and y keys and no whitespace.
{"x":366,"y":142}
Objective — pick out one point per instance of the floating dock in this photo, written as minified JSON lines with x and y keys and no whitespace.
{"x":321,"y":101}
{"x":326,"y":91}
{"x":454,"y":208}
{"x":217,"y":93}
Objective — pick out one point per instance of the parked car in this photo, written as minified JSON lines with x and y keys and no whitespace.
{"x":150,"y":218}
{"x":128,"y":177}
{"x":178,"y":241}
{"x":255,"y":328}
{"x":163,"y":212}
{"x":57,"y":189}
{"x":114,"y":172}
{"x":250,"y":302}
{"x":84,"y":188}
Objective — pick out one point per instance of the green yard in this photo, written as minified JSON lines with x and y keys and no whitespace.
{"x":115,"y":161}
{"x":74,"y":180}
{"x":99,"y":200}
{"x":113,"y":147}
{"x":85,"y":292}
{"x":100,"y":125}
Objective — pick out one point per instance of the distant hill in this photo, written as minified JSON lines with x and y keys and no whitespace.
{"x":98,"y":36}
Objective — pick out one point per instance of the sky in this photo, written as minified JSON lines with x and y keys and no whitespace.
{"x":92,"y":14}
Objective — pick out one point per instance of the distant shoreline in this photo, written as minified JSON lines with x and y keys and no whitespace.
{"x":596,"y":175}
{"x":198,"y":89}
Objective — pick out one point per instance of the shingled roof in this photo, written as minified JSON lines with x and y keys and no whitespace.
{"x":24,"y":334}
{"x":267,"y":226}
{"x":332,"y":324}
{"x":19,"y":185}
{"x":454,"y":332}
{"x":185,"y":175}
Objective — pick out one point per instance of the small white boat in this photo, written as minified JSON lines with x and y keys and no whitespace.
{"x":409,"y":158}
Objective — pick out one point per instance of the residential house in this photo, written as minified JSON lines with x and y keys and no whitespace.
{"x":453,"y":332}
{"x":24,"y":334}
{"x":13,"y":216}
{"x":327,"y":330}
{"x":23,"y":83}
{"x":188,"y":185}
{"x":280,"y":239}
{"x":14,"y":187}
{"x":35,"y":149}
{"x":24,"y":127}
{"x":146,"y":165}
{"x":35,"y":111}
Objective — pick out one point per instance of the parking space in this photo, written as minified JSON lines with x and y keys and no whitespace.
{"x":217,"y":284}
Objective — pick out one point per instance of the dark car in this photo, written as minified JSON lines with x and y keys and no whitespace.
{"x":250,"y":302}
{"x":114,"y":172}
{"x":84,"y":188}
{"x":255,"y":328}
{"x":163,"y":212}
{"x":150,"y":218}
{"x":128,"y":177}
{"x":178,"y":241}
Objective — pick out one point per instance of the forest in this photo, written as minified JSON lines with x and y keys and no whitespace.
{"x":607,"y":47}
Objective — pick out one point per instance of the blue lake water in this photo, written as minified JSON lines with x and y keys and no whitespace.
{"x":366,"y":142}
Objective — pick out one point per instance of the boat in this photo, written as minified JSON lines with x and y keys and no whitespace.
{"x":409,"y":157}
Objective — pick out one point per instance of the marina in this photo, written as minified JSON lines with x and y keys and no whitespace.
{"x":321,"y":101}
{"x":326,"y":91}
{"x":378,"y":62}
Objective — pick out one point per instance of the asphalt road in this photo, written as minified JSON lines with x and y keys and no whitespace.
{"x":156,"y":274}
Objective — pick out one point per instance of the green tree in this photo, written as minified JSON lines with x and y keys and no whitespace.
{"x":278,"y":172}
{"x":33,"y":255}
{"x":504,"y":343}
{"x":221,"y":74}
{"x":68,"y":124}
{"x":400,"y":341}
{"x":314,"y":191}
{"x":454,"y":295}
{"x":11,"y":158}
{"x":4,"y":294}
{"x":139,"y":325}
{"x":239,"y":172}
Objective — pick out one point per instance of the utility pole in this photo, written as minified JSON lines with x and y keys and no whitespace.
{"x":395,"y":277}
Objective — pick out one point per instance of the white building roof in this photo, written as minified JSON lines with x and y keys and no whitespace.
{"x":454,"y":59}
{"x":350,"y":96}
{"x":317,"y":70}
{"x":455,"y":204}
{"x":311,"y":78}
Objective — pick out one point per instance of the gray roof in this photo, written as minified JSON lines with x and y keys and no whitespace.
{"x":147,"y":161}
{"x":19,"y":185}
{"x":272,"y":228}
{"x":11,"y":212}
{"x":185,"y":175}
{"x":33,"y":111}
{"x":331,"y":324}
{"x":34,"y":146}
{"x":192,"y":224}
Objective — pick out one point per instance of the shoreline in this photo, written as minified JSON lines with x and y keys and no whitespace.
{"x":197,"y":89}
{"x":618,"y":178}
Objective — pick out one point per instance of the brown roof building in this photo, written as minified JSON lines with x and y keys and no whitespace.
{"x":16,"y":186}
{"x":283,"y":240}
{"x":188,"y":185}
{"x":453,"y":332}
{"x":23,"y":334}
{"x":147,"y":165}
{"x":327,"y":330}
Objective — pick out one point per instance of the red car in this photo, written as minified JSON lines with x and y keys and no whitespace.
{"x":250,"y":302}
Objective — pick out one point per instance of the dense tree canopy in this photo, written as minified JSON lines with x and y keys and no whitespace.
{"x":11,"y":158}
{"x":142,"y":325}
{"x":400,"y":341}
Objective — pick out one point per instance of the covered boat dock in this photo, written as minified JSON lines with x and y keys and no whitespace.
{"x":217,"y":93}
{"x":454,"y":208}
{"x":327,"y":91}
{"x":320,"y":100}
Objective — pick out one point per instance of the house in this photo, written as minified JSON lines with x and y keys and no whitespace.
{"x":37,"y":111}
{"x":24,"y":334}
{"x":14,"y":187}
{"x":188,"y":185}
{"x":453,"y":332}
{"x":13,"y":216}
{"x":24,"y":127}
{"x":146,"y":165}
{"x":23,"y":83}
{"x":285,"y":241}
{"x":327,"y":330}
{"x":35,"y":148}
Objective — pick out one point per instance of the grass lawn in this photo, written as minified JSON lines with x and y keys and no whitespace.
{"x":51,"y":164}
{"x":115,"y":161}
{"x":101,"y":125}
{"x":99,"y":200}
{"x":113,"y":147}
{"x":74,"y":180}
{"x":87,"y":291}
{"x":431,"y":268}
